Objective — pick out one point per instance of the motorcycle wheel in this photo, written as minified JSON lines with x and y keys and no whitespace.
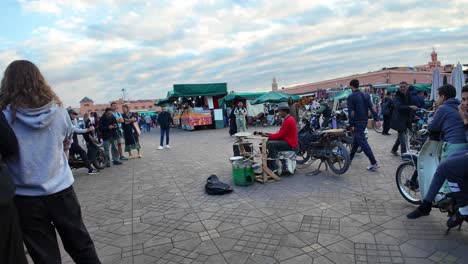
{"x":302,"y":156}
{"x":100,"y":161}
{"x":339,"y":161}
{"x":403,"y":176}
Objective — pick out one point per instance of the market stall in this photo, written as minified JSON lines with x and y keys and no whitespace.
{"x":198,"y":105}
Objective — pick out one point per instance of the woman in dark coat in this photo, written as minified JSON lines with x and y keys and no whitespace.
{"x":11,"y":242}
{"x":232,"y":123}
{"x":130,"y":133}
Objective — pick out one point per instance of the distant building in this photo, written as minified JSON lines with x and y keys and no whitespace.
{"x":394,"y":75}
{"x":87,"y":106}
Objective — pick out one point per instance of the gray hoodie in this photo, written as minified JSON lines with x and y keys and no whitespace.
{"x":42,"y":167}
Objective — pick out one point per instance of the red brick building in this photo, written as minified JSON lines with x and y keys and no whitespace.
{"x":87,"y":106}
{"x":394,"y":75}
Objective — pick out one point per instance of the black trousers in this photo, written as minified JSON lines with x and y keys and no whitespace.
{"x":11,"y":241}
{"x":274,"y":146}
{"x":76,"y":149}
{"x":386,"y":123}
{"x":40,"y":216}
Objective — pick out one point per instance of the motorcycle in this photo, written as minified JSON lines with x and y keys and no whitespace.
{"x":325,"y":146}
{"x":95,"y":154}
{"x":414,"y":176}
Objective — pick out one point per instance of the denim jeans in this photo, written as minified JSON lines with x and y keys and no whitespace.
{"x":41,"y":216}
{"x":453,"y":169}
{"x":360,"y":140}
{"x":112,"y":143}
{"x":401,"y":140}
{"x":164,"y":131}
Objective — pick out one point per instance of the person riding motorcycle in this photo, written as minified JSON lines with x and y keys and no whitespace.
{"x":452,"y":168}
{"x":285,"y":139}
{"x":75,"y":147}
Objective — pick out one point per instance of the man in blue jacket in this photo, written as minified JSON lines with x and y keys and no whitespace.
{"x":448,"y":122}
{"x":359,"y":104}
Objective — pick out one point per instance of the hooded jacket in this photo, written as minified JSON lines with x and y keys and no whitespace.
{"x":448,"y":121}
{"x":42,"y":165}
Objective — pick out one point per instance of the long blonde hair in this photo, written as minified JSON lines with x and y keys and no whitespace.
{"x":23,"y":86}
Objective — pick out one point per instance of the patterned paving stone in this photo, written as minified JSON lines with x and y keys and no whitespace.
{"x":155,"y":210}
{"x":258,"y":243}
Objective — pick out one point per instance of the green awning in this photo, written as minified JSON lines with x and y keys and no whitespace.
{"x":342,"y":95}
{"x":165,"y":101}
{"x":245,"y":96}
{"x":209,"y":89}
{"x":275,"y":97}
{"x":420,"y":87}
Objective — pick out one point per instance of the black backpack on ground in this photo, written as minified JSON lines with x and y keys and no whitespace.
{"x":215,"y":187}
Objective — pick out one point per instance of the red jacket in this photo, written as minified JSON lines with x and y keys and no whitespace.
{"x":287,"y":132}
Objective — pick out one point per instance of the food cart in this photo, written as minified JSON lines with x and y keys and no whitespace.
{"x":197,"y":105}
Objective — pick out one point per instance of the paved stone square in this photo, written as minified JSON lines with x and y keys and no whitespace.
{"x":155,"y":210}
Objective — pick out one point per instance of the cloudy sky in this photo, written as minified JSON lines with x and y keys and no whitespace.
{"x":95,"y":48}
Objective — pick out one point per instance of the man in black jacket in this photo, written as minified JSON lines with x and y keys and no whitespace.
{"x":108,"y":126}
{"x":401,"y":117}
{"x":164,"y":120}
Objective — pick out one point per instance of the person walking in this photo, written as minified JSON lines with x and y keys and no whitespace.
{"x":11,"y":239}
{"x":164,"y":121}
{"x":401,"y":117}
{"x":148,"y":122}
{"x":45,"y":198}
{"x":130,"y":132}
{"x":241,"y":114}
{"x":294,"y":110}
{"x":108,"y":126}
{"x":120,"y":137}
{"x":387,"y":109}
{"x":358,"y":106}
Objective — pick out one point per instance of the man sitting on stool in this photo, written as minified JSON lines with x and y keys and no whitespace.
{"x":285,"y":139}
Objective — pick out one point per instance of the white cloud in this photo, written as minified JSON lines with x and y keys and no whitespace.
{"x":96,"y":47}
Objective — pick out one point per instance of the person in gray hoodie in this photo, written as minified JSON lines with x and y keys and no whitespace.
{"x":45,"y":198}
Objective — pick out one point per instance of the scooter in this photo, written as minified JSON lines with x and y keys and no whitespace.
{"x":414,"y":176}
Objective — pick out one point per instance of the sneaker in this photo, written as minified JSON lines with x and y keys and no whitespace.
{"x":373,"y":167}
{"x":394,"y":152}
{"x":116,"y":162}
{"x":123,"y":158}
{"x":132,"y":157}
{"x":161,"y":147}
{"x":94,"y":172}
{"x":140,"y":156}
{"x":168,"y":147}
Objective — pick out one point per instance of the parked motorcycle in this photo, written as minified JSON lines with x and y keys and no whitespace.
{"x":414,"y":176}
{"x":96,"y":156}
{"x":325,"y":146}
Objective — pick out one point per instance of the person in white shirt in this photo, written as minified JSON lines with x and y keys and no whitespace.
{"x":241,"y":114}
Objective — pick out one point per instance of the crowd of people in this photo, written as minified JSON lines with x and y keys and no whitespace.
{"x":37,"y":197}
{"x":36,"y":193}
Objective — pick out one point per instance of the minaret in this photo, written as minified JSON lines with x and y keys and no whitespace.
{"x":274,"y":85}
{"x":434,"y":63}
